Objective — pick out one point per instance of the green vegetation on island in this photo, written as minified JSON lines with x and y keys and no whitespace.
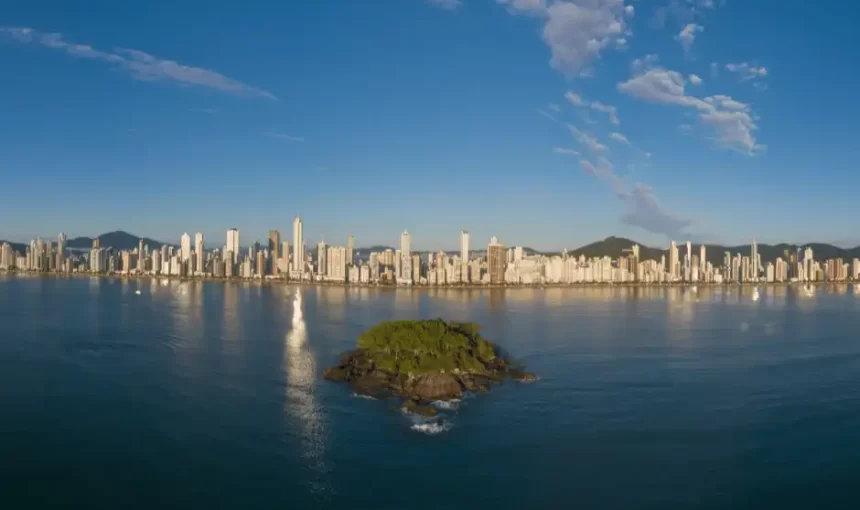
{"x":424,"y":361}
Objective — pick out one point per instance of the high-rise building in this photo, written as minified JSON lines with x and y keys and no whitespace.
{"x":322,"y":263}
{"x":350,"y":245}
{"x":702,"y":260}
{"x":496,"y":261}
{"x":199,"y":250}
{"x":754,"y":262}
{"x":405,"y":244}
{"x":464,"y":247}
{"x":274,"y":251}
{"x":184,"y":248}
{"x":233,"y":244}
{"x":335,"y":267}
{"x":61,"y":251}
{"x":298,"y":246}
{"x":518,"y":253}
{"x":673,"y":262}
{"x":285,"y":257}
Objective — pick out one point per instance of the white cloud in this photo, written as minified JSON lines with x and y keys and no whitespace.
{"x":747,"y":71}
{"x":284,"y":136}
{"x":587,"y":140}
{"x":139,"y":65}
{"x":688,"y":35}
{"x":448,"y":5}
{"x":566,"y":152}
{"x":554,"y":107}
{"x":610,"y":110}
{"x":548,"y":115}
{"x":574,"y":99}
{"x":695,"y":80}
{"x":629,"y":10}
{"x":732,"y":121}
{"x":577,"y":100}
{"x":576,"y":31}
{"x":618,"y":137}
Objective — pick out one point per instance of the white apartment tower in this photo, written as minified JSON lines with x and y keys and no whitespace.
{"x":233,"y":244}
{"x":298,"y":246}
{"x":464,"y":247}
{"x":198,"y":250}
{"x":673,"y":261}
{"x":185,"y":248}
{"x":350,"y":245}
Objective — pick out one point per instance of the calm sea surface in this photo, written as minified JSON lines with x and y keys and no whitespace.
{"x":209,"y":395}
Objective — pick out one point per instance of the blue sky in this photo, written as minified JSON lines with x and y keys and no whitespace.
{"x":548,"y":123}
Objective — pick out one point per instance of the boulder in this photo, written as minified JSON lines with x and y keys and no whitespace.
{"x":336,"y":374}
{"x":521,"y":376}
{"x":372,"y":387}
{"x":410,"y":406}
{"x":431,"y":387}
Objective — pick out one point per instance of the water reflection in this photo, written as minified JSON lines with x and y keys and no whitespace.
{"x":300,"y":402}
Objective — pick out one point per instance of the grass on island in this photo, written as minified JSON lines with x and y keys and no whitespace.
{"x":427,"y":346}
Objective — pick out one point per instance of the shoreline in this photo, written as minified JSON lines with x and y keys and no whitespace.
{"x":470,"y":286}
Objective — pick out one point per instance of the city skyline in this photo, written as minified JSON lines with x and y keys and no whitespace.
{"x":685,"y":118}
{"x":500,"y":265}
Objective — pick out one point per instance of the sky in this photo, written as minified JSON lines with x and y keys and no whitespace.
{"x":548,"y":123}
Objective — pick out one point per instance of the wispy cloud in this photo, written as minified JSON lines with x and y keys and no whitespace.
{"x":687,"y":36}
{"x":448,"y":5}
{"x":642,"y":208}
{"x":587,"y":140}
{"x":618,"y":137}
{"x":577,"y":32}
{"x":577,"y":100}
{"x":732,"y":121}
{"x":554,"y":107}
{"x":138,"y":64}
{"x":747,"y":71}
{"x":695,"y":80}
{"x":284,"y":136}
{"x":566,"y":152}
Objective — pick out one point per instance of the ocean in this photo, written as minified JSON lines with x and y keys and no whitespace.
{"x":210,"y":395}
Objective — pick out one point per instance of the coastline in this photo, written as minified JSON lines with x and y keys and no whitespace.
{"x":470,"y":286}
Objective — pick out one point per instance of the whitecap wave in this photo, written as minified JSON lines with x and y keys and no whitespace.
{"x":432,"y":428}
{"x":366,"y":397}
{"x":448,"y":405}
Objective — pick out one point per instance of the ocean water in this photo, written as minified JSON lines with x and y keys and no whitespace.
{"x":209,"y":395}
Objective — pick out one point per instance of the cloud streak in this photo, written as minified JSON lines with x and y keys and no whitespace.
{"x":687,"y":36}
{"x":642,"y":208}
{"x":138,"y":64}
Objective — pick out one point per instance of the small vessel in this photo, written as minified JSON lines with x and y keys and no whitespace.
{"x":755,"y":295}
{"x":137,"y":292}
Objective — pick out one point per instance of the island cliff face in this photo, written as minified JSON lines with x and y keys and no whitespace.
{"x":423,"y":361}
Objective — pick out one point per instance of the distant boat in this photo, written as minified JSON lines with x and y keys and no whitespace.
{"x":137,"y":292}
{"x":755,"y":294}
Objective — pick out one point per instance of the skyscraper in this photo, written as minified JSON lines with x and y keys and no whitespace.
{"x":702,"y":262}
{"x":322,"y":261}
{"x":140,"y":258}
{"x":233,"y":244}
{"x":673,"y":262}
{"x":496,"y":261}
{"x":405,"y":248}
{"x":350,"y":246}
{"x":184,"y":247}
{"x":464,"y":247}
{"x":298,"y":246}
{"x":61,"y":251}
{"x":754,"y":262}
{"x":274,"y":247}
{"x":198,"y":251}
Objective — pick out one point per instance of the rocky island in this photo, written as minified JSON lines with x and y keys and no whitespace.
{"x":424,"y":361}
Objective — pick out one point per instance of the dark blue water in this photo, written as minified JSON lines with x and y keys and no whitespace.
{"x":195,"y":395}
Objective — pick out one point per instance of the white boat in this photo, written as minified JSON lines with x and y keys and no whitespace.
{"x":755,"y":295}
{"x":137,"y":292}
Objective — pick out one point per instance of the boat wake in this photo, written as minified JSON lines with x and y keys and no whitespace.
{"x":366,"y":397}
